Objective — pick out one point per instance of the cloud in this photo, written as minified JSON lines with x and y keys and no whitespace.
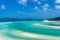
{"x":45,"y":7}
{"x":23,"y":2}
{"x":36,"y":8}
{"x":18,"y":11}
{"x":2,"y":7}
{"x":57,"y":7}
{"x":39,"y":2}
{"x":58,"y":1}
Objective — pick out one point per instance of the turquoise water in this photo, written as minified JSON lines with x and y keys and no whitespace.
{"x":30,"y":30}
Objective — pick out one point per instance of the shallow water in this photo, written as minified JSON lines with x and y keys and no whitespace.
{"x":30,"y":30}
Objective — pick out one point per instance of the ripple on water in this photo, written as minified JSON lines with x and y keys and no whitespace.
{"x":38,"y":30}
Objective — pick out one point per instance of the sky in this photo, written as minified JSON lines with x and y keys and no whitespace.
{"x":36,"y":9}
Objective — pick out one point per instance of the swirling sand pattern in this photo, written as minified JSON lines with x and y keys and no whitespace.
{"x":30,"y":30}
